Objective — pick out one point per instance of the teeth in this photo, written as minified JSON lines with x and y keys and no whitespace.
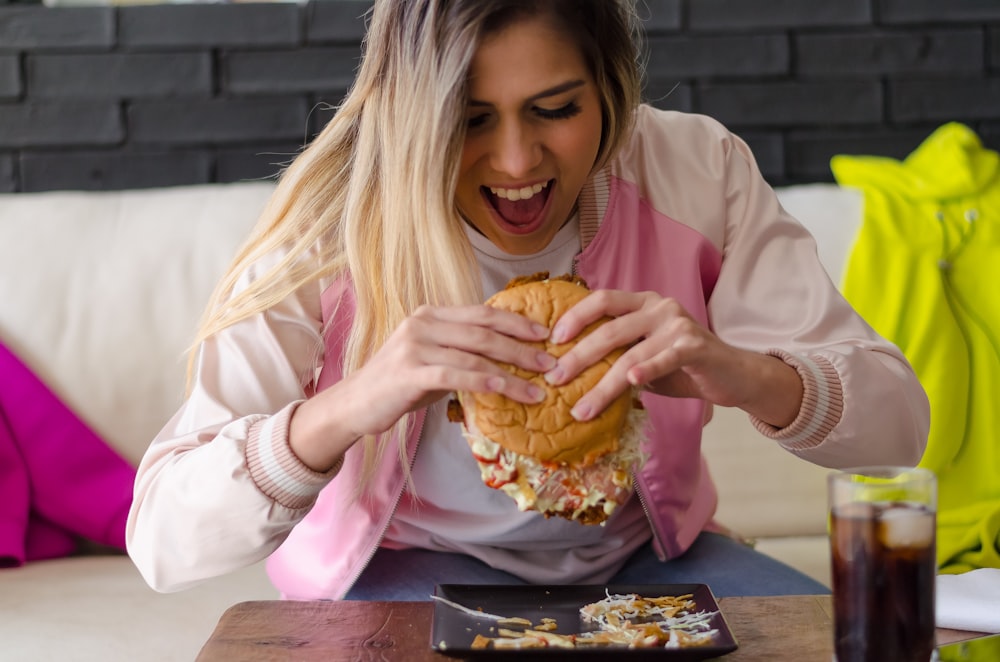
{"x":515,"y":194}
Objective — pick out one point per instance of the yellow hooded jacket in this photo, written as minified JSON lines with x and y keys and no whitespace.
{"x":925,"y":273}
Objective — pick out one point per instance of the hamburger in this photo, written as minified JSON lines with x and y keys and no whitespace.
{"x":538,"y":454}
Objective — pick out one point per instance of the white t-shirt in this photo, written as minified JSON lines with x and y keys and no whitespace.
{"x":461,"y":514}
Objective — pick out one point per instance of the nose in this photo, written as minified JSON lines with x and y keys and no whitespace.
{"x":516,"y":150}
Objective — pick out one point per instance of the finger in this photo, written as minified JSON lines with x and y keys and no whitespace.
{"x":695,"y":367}
{"x":501,"y":321}
{"x":621,"y":376}
{"x":482,"y":342}
{"x":486,"y":378}
{"x":657,"y":369}
{"x":688,"y":346}
{"x":648,"y":361}
{"x":597,"y":399}
{"x":597,"y":304}
{"x":474,"y":330}
{"x":636,"y":316}
{"x":592,"y":348}
{"x":507,"y":385}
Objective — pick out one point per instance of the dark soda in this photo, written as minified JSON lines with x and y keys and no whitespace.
{"x":884,"y":570}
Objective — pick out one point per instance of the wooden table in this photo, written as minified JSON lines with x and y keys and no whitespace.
{"x":770,"y":628}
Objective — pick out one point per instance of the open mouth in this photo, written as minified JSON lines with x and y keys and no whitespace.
{"x":519,"y":210}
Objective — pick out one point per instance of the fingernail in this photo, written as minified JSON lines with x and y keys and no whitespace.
{"x":537,"y":393}
{"x":545,"y":360}
{"x":495,"y":384}
{"x":540,"y":331}
{"x":555,"y":375}
{"x":581,"y":411}
{"x":557,"y":335}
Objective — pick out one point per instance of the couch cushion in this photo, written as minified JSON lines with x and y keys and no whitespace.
{"x":99,"y":608}
{"x":832,"y":215}
{"x":112,"y":285}
{"x":809,"y":554}
{"x":763,"y":489}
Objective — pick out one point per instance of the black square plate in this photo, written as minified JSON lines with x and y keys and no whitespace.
{"x":453,"y":630}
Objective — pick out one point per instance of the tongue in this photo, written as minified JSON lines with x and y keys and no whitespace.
{"x":520,"y":212}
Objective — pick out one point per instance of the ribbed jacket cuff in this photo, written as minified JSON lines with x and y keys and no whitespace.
{"x":275,"y":469}
{"x":822,"y":403}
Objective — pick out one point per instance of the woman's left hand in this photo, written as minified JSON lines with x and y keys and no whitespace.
{"x":671,"y":354}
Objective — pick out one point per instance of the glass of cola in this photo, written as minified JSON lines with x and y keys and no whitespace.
{"x":882,"y":546}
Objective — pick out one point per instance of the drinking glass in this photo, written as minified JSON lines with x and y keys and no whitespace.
{"x":882,"y":546}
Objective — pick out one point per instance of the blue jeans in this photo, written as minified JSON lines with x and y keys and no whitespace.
{"x":726,"y":565}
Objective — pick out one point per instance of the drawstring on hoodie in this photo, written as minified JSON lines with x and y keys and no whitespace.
{"x":949,"y":254}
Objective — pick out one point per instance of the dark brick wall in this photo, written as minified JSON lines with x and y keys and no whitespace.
{"x":139,"y":96}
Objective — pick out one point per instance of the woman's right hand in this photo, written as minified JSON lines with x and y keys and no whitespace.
{"x":434,"y":352}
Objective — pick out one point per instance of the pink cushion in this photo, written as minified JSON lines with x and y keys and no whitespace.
{"x":58,"y":479}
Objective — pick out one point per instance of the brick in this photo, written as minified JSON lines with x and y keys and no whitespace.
{"x":67,"y":85}
{"x":768,"y":149}
{"x":937,"y":11}
{"x":809,"y":152}
{"x":690,"y":57}
{"x":58,"y":124}
{"x":217,"y":121}
{"x":322,"y":108}
{"x":989,"y":133}
{"x":8,"y":182}
{"x":772,"y":14}
{"x":112,"y":170}
{"x":264,"y":162}
{"x":336,"y":22}
{"x":209,"y":25}
{"x":119,"y":75}
{"x":669,"y":94}
{"x":941,"y":51}
{"x":944,"y":100}
{"x":10,"y":76}
{"x":995,"y":48}
{"x":790,"y":104}
{"x":305,"y":70}
{"x":659,"y":16}
{"x":38,"y":27}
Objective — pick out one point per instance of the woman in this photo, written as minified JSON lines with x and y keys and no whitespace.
{"x":483,"y":140}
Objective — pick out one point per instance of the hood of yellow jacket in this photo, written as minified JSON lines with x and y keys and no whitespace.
{"x":950,"y":163}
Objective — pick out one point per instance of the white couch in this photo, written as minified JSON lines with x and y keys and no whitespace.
{"x":100,"y":293}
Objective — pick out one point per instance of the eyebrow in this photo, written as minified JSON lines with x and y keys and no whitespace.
{"x":551,"y":92}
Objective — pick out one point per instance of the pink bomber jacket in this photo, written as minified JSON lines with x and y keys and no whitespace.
{"x":682,"y":211}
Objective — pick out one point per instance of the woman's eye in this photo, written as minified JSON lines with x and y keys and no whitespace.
{"x":561,"y":113}
{"x":476,"y":120}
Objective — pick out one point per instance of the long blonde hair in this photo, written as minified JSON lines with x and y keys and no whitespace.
{"x":373,"y":195}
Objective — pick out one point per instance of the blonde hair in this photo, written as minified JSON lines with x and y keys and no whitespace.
{"x":373,"y":195}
